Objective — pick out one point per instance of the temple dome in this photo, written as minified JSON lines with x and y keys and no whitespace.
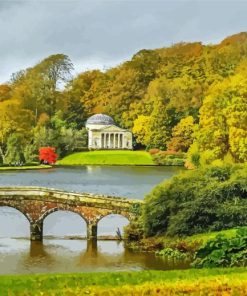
{"x":101,"y":119}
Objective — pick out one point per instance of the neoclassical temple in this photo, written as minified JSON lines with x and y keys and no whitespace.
{"x":104,"y":134}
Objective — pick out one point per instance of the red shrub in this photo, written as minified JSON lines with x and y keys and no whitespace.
{"x":47,"y":155}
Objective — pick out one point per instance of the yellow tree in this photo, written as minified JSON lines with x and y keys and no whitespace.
{"x":182,"y":135}
{"x":223,"y":120}
{"x":141,"y":130}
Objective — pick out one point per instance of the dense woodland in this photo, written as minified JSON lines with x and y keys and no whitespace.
{"x":188,"y":97}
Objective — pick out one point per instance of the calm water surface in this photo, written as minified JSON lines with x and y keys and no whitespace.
{"x":132,"y":182}
{"x":64,"y":255}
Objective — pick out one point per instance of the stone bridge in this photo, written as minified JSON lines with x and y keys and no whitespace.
{"x":36,"y":203}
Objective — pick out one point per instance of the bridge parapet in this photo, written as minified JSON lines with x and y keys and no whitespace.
{"x":36,"y":203}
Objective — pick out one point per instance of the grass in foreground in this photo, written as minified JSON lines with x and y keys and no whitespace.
{"x":31,"y":167}
{"x":112,"y":157}
{"x":228,"y":281}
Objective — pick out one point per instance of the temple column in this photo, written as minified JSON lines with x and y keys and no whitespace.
{"x":123,"y":142}
{"x":36,"y":231}
{"x":115,"y":140}
{"x":90,"y":139}
{"x":119,"y":141}
{"x":105,"y":142}
{"x":100,"y":141}
{"x":112,"y":140}
{"x":109,"y":140}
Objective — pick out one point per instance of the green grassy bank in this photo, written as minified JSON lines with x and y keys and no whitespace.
{"x":228,"y":281}
{"x":152,"y":244}
{"x":28,"y":167}
{"x":112,"y":157}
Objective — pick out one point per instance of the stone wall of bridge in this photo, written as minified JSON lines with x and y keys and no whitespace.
{"x":37,"y":203}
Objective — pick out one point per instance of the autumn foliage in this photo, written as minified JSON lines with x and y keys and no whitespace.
{"x":188,"y":97}
{"x":47,"y":155}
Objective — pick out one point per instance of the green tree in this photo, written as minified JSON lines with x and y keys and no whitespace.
{"x":38,"y":87}
{"x":208,"y":199}
{"x":13,"y":119}
{"x":15,"y":149}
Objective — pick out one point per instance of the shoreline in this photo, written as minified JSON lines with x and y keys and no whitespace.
{"x":106,"y":164}
{"x":75,"y":237}
{"x":27,"y":168}
{"x":24,"y":168}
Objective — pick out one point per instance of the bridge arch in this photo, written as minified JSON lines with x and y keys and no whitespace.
{"x":122,"y":214}
{"x":64,"y":222}
{"x":110,"y":224}
{"x":56,"y":209}
{"x":19,"y":209}
{"x":16,"y":225}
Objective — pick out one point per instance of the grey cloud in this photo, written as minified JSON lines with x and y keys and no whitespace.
{"x":98,"y":33}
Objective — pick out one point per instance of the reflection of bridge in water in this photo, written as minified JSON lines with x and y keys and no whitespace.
{"x":37,"y":203}
{"x":37,"y":249}
{"x":84,"y":255}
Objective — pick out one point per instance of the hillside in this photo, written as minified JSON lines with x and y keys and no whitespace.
{"x":188,"y":96}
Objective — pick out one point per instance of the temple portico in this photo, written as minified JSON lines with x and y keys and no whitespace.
{"x":111,"y":140}
{"x":104,"y":134}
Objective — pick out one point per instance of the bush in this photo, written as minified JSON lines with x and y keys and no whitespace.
{"x":134,"y":231}
{"x":185,"y":246}
{"x":203,"y":200}
{"x":151,"y":244}
{"x":154,"y":151}
{"x":223,"y":251}
{"x":47,"y":155}
{"x":168,"y":158}
{"x":172,"y":254}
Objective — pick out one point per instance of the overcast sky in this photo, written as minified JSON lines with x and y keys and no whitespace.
{"x":101,"y":34}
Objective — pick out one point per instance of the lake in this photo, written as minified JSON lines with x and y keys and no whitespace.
{"x":19,"y":255}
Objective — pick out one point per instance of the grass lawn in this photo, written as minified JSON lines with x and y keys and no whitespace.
{"x":228,"y":281}
{"x":112,"y":157}
{"x":29,"y":167}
